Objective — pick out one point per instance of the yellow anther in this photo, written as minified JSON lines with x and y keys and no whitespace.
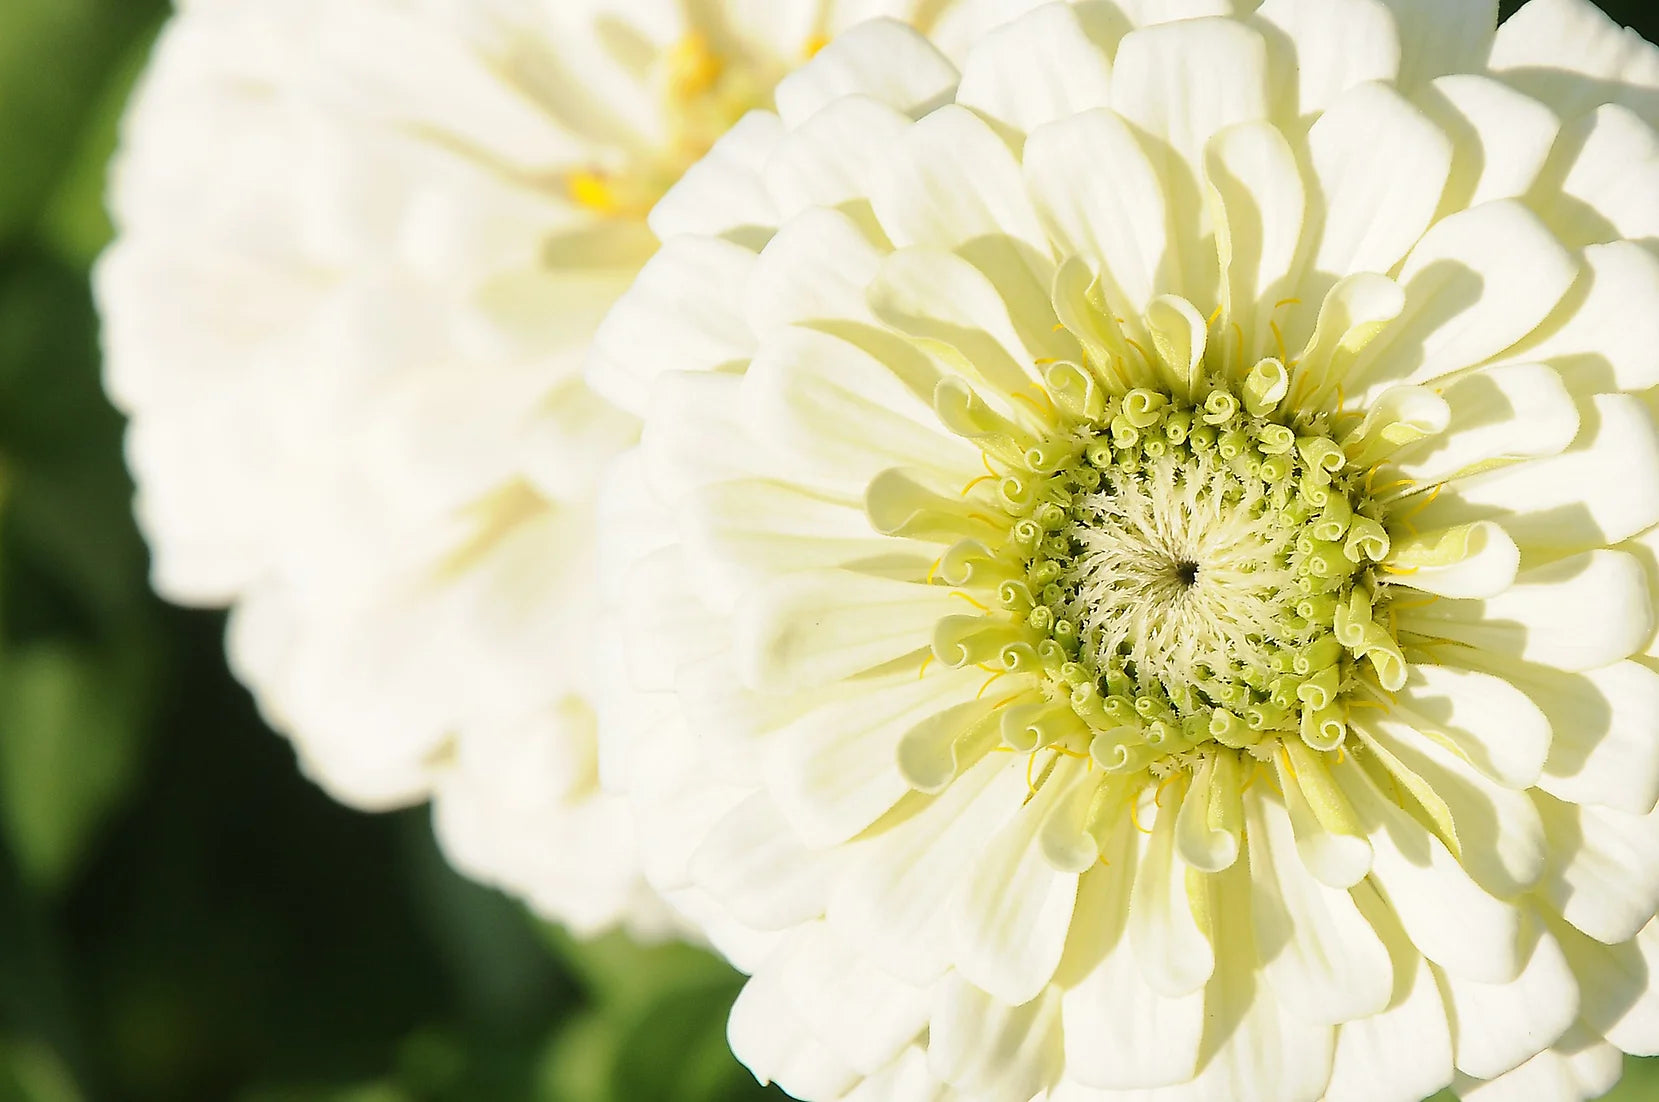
{"x":594,"y":191}
{"x":1279,"y":338}
{"x":982,"y":479}
{"x":992,"y":680}
{"x":1215,"y":317}
{"x":926,"y":662}
{"x":693,"y":67}
{"x":1135,"y":813}
{"x":1282,"y":303}
{"x":970,"y":600}
{"x":1401,"y":571}
{"x":1158,"y":797}
{"x":934,"y":569}
{"x":1424,"y":504}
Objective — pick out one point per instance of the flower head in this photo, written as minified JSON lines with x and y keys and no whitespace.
{"x":363,"y":245}
{"x":1134,"y":577}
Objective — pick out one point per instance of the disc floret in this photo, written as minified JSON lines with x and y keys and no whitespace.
{"x":1190,"y":575}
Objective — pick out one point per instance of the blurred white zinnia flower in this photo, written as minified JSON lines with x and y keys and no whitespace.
{"x":1134,"y":572}
{"x":363,"y":245}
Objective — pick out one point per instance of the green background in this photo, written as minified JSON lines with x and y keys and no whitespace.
{"x":182,"y":916}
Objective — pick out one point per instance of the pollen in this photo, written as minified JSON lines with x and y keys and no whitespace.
{"x":694,"y":68}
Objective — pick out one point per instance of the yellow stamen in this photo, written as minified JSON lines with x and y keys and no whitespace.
{"x":693,"y":66}
{"x":1424,"y":504}
{"x":815,"y":45}
{"x":926,"y":662}
{"x":595,"y":191}
{"x":992,"y":680}
{"x":969,"y":488}
{"x":970,"y":600}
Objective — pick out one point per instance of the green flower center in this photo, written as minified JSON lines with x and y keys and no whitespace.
{"x":1196,"y":574}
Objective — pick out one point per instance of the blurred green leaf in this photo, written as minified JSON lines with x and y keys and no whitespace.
{"x":1640,"y":1082}
{"x":657,"y":1029}
{"x":53,"y":54}
{"x":68,"y":496}
{"x":373,"y":1092}
{"x":32,"y":1072}
{"x":676,"y":1051}
{"x":75,"y":223}
{"x":620,"y":972}
{"x":69,"y":747}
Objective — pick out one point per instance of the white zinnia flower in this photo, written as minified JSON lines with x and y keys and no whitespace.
{"x":363,"y":245}
{"x":1135,"y":570}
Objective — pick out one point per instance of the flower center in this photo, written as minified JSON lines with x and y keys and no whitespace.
{"x":1196,"y":574}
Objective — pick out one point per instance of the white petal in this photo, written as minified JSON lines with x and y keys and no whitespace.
{"x":1581,"y":1067}
{"x":1120,"y":1034}
{"x":937,"y":297}
{"x":1490,"y":562}
{"x":819,"y":627}
{"x":953,"y":184}
{"x":1502,"y":139}
{"x":882,"y":59}
{"x":739,"y":532}
{"x":1604,"y":868}
{"x":1335,"y":44}
{"x":1173,"y":954}
{"x":1368,"y":1067}
{"x":754,"y":864}
{"x":835,"y":770}
{"x":841,"y":416}
{"x":992,"y":1051}
{"x":1499,"y":1027}
{"x":1202,"y":846}
{"x":706,"y":442}
{"x":833,"y":157}
{"x":1514,"y":412}
{"x":724,"y":192}
{"x":1477,"y":282}
{"x":1448,"y":917}
{"x":1491,"y":722}
{"x":1442,"y":36}
{"x":1260,"y":1050}
{"x":1381,"y":167}
{"x":1602,"y":490}
{"x":1120,"y":230}
{"x":1617,"y":989}
{"x":953,"y":180}
{"x":1323,"y":960}
{"x":679,"y":314}
{"x":1253,"y":176}
{"x":1182,"y":83}
{"x":1604,"y":336}
{"x":1012,"y":917}
{"x":771,"y":1040}
{"x":825,"y":979}
{"x":1040,"y":67}
{"x":1500,"y":833}
{"x":1606,"y":745}
{"x":1576,"y":614}
{"x":814,"y":269}
{"x":893,"y":899}
{"x":1569,"y":54}
{"x":1610,"y":181}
